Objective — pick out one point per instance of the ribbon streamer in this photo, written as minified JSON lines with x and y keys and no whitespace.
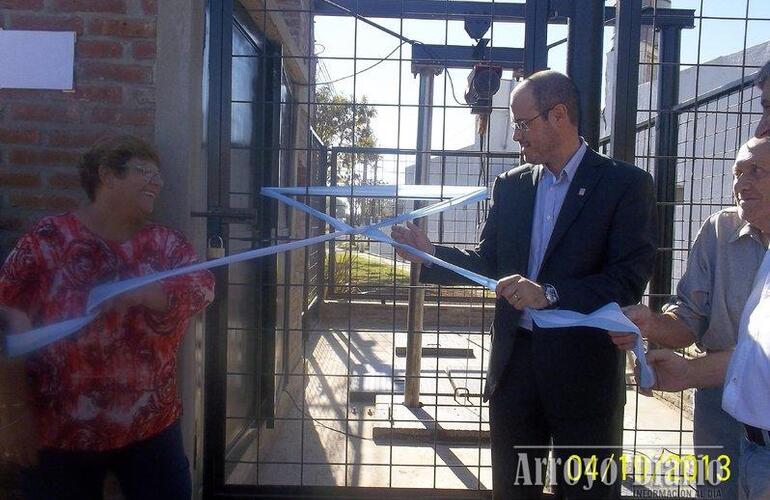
{"x":24,"y":343}
{"x":609,"y":317}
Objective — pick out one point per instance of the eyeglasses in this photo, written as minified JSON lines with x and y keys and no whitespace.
{"x":523,"y":125}
{"x":149,"y":174}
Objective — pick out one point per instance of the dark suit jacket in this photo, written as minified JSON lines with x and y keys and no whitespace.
{"x":601,"y":250}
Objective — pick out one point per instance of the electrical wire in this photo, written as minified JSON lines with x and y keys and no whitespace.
{"x":451,"y":83}
{"x":379,"y":61}
{"x":371,"y":23}
{"x":401,"y":37}
{"x":317,"y":422}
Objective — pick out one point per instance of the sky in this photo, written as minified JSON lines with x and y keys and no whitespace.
{"x":339,"y":40}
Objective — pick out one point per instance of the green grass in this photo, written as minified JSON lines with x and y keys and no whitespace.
{"x":362,"y":269}
{"x":360,"y":272}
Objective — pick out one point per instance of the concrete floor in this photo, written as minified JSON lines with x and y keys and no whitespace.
{"x":365,"y":439}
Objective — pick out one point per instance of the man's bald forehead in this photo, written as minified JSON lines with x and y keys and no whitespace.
{"x":520,"y":88}
{"x":756,"y":146}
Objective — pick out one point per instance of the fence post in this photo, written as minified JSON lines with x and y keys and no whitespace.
{"x":584,"y":63}
{"x":628,"y":15}
{"x":417,"y":293}
{"x":666,"y":150}
{"x":330,"y":279}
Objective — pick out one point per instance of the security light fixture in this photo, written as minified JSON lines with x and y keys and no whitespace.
{"x":483,"y":84}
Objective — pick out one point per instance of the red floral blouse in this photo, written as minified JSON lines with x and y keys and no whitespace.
{"x":114,"y":382}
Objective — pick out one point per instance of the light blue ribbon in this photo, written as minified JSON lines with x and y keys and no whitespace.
{"x":24,"y":343}
{"x":609,"y":317}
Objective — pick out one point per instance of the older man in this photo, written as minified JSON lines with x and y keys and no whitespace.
{"x":570,"y":229}
{"x":707,"y":308}
{"x":747,"y":368}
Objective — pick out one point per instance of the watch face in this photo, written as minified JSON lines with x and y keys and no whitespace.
{"x":550,"y":295}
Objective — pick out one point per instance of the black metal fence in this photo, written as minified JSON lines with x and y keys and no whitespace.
{"x":339,"y":426}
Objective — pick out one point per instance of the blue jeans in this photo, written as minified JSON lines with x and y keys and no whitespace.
{"x":155,"y":468}
{"x":754,"y":476}
{"x":715,"y":427}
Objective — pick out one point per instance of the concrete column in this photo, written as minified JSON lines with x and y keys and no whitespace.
{"x":179,"y":136}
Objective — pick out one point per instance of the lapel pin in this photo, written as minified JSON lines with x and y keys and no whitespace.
{"x":582,"y":191}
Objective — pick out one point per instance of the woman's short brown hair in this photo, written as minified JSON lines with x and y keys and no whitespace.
{"x":112,"y":152}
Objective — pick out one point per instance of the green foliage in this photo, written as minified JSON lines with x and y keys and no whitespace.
{"x":339,"y":123}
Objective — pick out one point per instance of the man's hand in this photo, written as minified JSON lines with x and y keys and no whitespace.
{"x":672,"y":371}
{"x":521,"y":292}
{"x":623,"y":341}
{"x":413,"y":236}
{"x":642,"y":317}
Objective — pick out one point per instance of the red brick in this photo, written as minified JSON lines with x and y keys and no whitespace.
{"x":43,"y":157}
{"x":12,"y":224}
{"x":150,"y":7}
{"x":84,"y":92}
{"x":116,"y":116}
{"x":60,"y":138}
{"x":33,"y":95}
{"x":126,"y":73}
{"x":18,"y":136}
{"x":21,"y":4}
{"x":44,"y":201}
{"x":97,"y":49}
{"x":64,"y":181}
{"x":143,"y":96}
{"x":45,"y":112}
{"x":16,"y":179}
{"x":127,"y":28}
{"x":51,"y":23}
{"x":144,"y":50}
{"x":111,"y":6}
{"x":106,"y":94}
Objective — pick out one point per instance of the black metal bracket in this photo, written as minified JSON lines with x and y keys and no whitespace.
{"x":457,"y":56}
{"x":559,"y":11}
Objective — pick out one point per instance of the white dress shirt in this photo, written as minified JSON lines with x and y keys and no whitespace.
{"x":747,"y":386}
{"x":549,"y":197}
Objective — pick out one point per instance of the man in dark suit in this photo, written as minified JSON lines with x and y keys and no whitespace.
{"x":570,"y":229}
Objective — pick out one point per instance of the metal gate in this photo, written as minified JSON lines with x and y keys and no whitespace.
{"x":308,"y":354}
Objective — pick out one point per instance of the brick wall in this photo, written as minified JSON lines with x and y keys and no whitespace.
{"x":43,"y":133}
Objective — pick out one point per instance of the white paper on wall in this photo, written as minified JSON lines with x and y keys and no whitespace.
{"x":37,"y":59}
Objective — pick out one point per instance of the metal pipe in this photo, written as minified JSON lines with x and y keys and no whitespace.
{"x":331,"y":278}
{"x":584,"y":63}
{"x":535,"y":36}
{"x":508,"y":12}
{"x":666,"y":149}
{"x":627,"y":36}
{"x":416,"y":293}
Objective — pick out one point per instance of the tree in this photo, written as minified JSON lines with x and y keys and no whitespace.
{"x":339,"y":123}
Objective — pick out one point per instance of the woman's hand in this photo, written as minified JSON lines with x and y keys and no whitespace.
{"x":151,"y":296}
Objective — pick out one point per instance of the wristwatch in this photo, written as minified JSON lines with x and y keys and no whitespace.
{"x":551,"y":295}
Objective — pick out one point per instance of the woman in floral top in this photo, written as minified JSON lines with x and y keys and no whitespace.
{"x":105,"y":399}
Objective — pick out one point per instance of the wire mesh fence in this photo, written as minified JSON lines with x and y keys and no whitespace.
{"x":336,"y":415}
